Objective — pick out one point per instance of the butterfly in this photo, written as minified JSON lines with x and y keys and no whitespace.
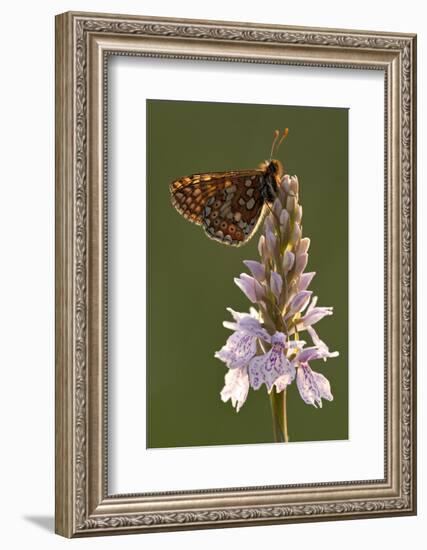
{"x":230,"y":206}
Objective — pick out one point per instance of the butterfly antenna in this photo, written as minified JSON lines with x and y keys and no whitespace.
{"x":284,"y":136}
{"x":276,"y":135}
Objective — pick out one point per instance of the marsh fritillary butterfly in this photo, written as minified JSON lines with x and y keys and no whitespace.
{"x":231,"y":205}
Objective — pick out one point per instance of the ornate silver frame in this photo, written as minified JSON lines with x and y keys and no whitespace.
{"x":83,"y":42}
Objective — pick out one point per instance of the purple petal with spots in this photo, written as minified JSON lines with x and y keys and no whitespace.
{"x":238,"y":350}
{"x":309,"y":354}
{"x":268,"y":367}
{"x":236,"y":387}
{"x":313,"y":386}
{"x":285,"y":379}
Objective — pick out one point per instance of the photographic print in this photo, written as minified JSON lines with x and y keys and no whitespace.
{"x":235,"y":274}
{"x":248,"y":304}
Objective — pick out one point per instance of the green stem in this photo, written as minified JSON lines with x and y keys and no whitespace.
{"x":279,"y":414}
{"x":285,"y":417}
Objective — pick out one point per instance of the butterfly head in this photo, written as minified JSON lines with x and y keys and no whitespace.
{"x":274,"y":168}
{"x":273,"y":171}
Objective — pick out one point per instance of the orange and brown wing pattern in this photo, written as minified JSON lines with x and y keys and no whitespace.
{"x":190,"y":194}
{"x":229,"y":205}
{"x":232,"y":215}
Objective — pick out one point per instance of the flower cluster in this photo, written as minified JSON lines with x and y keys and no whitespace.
{"x":265,"y":347}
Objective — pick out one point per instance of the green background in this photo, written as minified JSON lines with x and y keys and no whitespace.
{"x":190,"y":277}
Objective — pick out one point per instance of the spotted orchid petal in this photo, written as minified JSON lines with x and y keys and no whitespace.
{"x":308,"y":354}
{"x":236,"y":387}
{"x":313,"y":386}
{"x":268,"y":367}
{"x":285,"y":379}
{"x":238,"y":350}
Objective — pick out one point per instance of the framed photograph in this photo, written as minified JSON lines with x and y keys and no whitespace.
{"x":235,"y":274}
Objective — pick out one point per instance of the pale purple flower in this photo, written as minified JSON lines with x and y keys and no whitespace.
{"x":284,"y":217}
{"x":295,"y":235}
{"x":241,"y":346}
{"x":250,"y":287}
{"x":284,"y":223}
{"x":305,"y":280}
{"x":277,"y":207}
{"x":298,"y":303}
{"x":288,"y":261}
{"x":304,"y":245}
{"x":294,"y":185}
{"x":315,"y":314}
{"x":236,"y":387}
{"x":279,"y":286}
{"x":320,"y":345}
{"x":270,"y":241}
{"x":300,"y":263}
{"x":285,"y":379}
{"x":276,"y":283}
{"x":256,"y":268}
{"x":261,"y":246}
{"x":266,"y":368}
{"x":286,"y":180}
{"x":291,"y":204}
{"x":312,"y":386}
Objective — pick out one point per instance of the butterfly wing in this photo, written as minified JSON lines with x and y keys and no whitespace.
{"x":229,"y":205}
{"x":234,"y":213}
{"x":190,"y":194}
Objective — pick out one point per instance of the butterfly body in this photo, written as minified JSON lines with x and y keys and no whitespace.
{"x":228,"y":205}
